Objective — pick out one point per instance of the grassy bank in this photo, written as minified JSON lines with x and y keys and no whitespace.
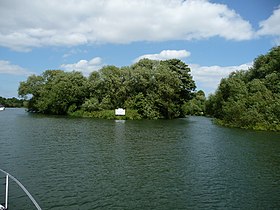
{"x":263,"y":126}
{"x":108,"y":114}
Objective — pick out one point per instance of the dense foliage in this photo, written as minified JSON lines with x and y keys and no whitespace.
{"x":12,"y":102}
{"x":154,"y":89}
{"x":196,"y":106}
{"x":55,"y":92}
{"x":250,"y":99}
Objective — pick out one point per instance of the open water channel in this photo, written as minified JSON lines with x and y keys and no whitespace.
{"x":191,"y":163}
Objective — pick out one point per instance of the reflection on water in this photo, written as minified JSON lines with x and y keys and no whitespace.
{"x":70,"y":163}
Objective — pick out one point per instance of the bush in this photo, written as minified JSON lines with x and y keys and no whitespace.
{"x":108,"y":114}
{"x":250,"y":99}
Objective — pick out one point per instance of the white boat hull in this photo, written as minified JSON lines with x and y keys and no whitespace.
{"x":2,"y":108}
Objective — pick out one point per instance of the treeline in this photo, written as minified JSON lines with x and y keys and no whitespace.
{"x":250,"y":99}
{"x":161,"y":89}
{"x":12,"y":102}
{"x":147,"y":89}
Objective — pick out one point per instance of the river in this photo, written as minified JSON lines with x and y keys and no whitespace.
{"x":191,"y":163}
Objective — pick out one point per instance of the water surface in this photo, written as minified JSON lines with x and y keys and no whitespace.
{"x":191,"y":163}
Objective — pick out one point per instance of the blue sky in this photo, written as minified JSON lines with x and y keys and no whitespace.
{"x":213,"y":37}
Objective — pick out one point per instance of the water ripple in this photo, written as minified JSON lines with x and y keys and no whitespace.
{"x":187,"y":163}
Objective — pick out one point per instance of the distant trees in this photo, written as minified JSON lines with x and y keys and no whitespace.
{"x":250,"y":99}
{"x":155,"y":89}
{"x":12,"y":102}
{"x":196,"y":106}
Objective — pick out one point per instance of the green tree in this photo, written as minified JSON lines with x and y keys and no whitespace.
{"x":54,"y":92}
{"x":250,"y":99}
{"x":166,"y":84}
{"x":154,"y":89}
{"x":12,"y":102}
{"x":195,"y":106}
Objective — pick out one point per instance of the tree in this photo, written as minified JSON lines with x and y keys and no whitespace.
{"x":155,"y":89}
{"x":250,"y":99}
{"x":187,"y":85}
{"x":12,"y":102}
{"x":54,"y":92}
{"x":195,"y":106}
{"x":166,"y":84}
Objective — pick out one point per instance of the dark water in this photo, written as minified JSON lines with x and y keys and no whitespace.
{"x":187,"y":163}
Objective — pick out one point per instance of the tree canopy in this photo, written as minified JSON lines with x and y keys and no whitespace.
{"x":155,"y":89}
{"x":250,"y":99}
{"x":12,"y":102}
{"x":162,"y":89}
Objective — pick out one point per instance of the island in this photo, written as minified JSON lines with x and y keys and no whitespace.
{"x":151,"y":89}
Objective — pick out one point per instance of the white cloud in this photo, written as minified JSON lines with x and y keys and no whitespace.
{"x":271,"y":26}
{"x":7,"y":68}
{"x":77,"y":22}
{"x":165,"y":55}
{"x":84,"y":66}
{"x":208,"y":77}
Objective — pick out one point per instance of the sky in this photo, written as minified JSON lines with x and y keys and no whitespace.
{"x":214,"y":37}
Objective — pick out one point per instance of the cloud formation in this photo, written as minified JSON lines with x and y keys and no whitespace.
{"x":165,"y":55}
{"x":84,"y":66}
{"x":79,"y":22}
{"x":271,"y":25}
{"x":7,"y":68}
{"x":209,"y":77}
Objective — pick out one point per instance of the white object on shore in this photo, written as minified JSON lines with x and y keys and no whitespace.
{"x":120,"y":112}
